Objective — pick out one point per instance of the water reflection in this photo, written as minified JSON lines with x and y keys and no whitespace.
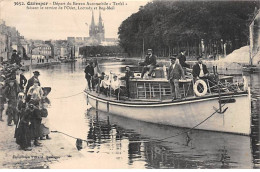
{"x":201,"y":149}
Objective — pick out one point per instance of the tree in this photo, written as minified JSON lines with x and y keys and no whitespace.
{"x":168,"y":26}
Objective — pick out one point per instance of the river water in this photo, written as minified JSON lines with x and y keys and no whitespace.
{"x":119,"y":142}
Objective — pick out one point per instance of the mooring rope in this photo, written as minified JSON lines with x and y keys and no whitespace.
{"x":69,"y":96}
{"x":69,"y":135}
{"x":185,"y":132}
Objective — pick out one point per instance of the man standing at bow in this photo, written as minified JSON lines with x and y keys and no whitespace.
{"x":89,"y":73}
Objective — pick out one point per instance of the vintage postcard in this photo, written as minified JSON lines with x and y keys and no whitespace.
{"x":125,"y":84}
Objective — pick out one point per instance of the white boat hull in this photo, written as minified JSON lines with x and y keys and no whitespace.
{"x":188,"y":114}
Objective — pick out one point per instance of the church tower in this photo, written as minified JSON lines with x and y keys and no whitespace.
{"x":101,"y":29}
{"x":92,"y":27}
{"x":97,"y":32}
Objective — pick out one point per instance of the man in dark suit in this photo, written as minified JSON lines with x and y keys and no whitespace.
{"x":23,"y":79}
{"x":175,"y":73}
{"x":182,"y":59}
{"x":15,"y":58}
{"x":199,"y":69}
{"x":30,"y":83}
{"x":128,"y":74}
{"x":149,"y":64}
{"x":89,"y":73}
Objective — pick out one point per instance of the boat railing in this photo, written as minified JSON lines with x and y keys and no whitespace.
{"x":158,"y":89}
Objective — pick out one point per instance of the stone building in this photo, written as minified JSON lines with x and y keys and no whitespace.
{"x":10,"y":39}
{"x":43,"y":50}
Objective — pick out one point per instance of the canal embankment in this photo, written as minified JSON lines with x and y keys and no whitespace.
{"x":56,"y":150}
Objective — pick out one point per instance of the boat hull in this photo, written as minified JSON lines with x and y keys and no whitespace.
{"x":188,"y":113}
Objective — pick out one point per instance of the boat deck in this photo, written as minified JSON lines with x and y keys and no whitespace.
{"x":156,"y":101}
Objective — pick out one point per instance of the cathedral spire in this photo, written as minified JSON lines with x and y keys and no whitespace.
{"x":92,"y":21}
{"x":100,"y":22}
{"x":92,"y":30}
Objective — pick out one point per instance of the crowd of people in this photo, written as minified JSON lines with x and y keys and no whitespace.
{"x":23,"y":103}
{"x":176,"y":71}
{"x":107,"y":84}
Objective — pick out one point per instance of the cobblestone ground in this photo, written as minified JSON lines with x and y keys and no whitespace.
{"x":55,"y":150}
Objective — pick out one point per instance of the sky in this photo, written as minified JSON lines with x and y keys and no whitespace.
{"x":60,"y":24}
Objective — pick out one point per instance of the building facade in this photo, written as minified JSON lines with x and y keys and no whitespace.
{"x":43,"y":50}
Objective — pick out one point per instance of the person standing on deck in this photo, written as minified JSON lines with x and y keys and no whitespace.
{"x":175,"y":73}
{"x":149,"y":64}
{"x":89,"y":73}
{"x":182,"y":59}
{"x":128,"y":75}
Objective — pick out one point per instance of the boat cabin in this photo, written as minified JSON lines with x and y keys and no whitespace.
{"x":157,"y":87}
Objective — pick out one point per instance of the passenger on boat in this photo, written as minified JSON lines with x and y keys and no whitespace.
{"x":200,"y":71}
{"x":128,"y":74}
{"x":182,"y":59}
{"x":149,"y":64}
{"x":96,"y":76}
{"x":102,"y":77}
{"x":115,"y":85}
{"x":104,"y":84}
{"x":175,"y":73}
{"x":89,"y":72}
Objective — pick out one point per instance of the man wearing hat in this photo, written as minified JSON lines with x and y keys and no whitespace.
{"x":149,"y":64}
{"x":175,"y":73}
{"x":182,"y":59}
{"x":30,"y":83}
{"x":199,"y":70}
{"x":11,"y":92}
{"x":128,"y":74}
{"x":15,"y":58}
{"x":89,"y":73}
{"x":22,"y":79}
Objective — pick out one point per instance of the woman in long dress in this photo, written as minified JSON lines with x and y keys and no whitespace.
{"x":23,"y":134}
{"x":36,"y":94}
